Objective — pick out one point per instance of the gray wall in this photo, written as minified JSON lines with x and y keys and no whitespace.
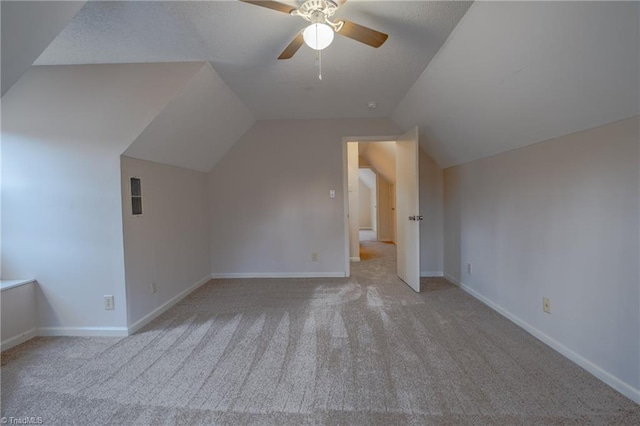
{"x":61,"y":200}
{"x":270,"y":205}
{"x":169,"y":243}
{"x":431,"y":205}
{"x":557,"y":219}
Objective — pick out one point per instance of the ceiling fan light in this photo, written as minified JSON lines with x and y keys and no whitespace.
{"x":318,"y":36}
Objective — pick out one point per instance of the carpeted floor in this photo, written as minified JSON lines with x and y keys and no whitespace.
{"x":364,"y":350}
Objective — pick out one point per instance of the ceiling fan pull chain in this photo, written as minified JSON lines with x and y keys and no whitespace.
{"x":319,"y":58}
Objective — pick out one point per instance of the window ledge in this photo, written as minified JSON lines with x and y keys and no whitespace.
{"x":7,"y":284}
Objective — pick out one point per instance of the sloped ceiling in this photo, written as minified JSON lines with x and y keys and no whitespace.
{"x":243,"y":41}
{"x":105,"y":106}
{"x":381,"y":156}
{"x":197,"y":127}
{"x":27,"y":28}
{"x":510,"y":74}
{"x":515,"y":73}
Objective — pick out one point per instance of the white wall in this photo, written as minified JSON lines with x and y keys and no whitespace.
{"x":385,"y":231}
{"x":364,"y":203}
{"x":63,"y":130}
{"x":560,"y":220}
{"x":18,"y":308}
{"x":368,"y":183}
{"x":270,"y":205}
{"x":169,"y":243}
{"x":431,"y":209}
{"x":353,"y":181}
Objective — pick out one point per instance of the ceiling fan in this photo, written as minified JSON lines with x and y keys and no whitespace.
{"x":320,"y":33}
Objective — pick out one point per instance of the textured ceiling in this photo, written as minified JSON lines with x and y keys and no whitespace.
{"x":242,"y":43}
{"x":27,"y":28}
{"x":197,"y":128}
{"x":516,"y":73}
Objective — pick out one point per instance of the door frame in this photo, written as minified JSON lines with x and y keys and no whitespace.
{"x":345,"y":189}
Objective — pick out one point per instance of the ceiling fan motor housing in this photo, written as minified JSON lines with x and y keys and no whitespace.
{"x":307,"y":9}
{"x":319,"y":12}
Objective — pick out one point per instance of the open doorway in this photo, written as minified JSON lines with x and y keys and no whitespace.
{"x":396,"y":162}
{"x":371,"y":178}
{"x":368,"y":204}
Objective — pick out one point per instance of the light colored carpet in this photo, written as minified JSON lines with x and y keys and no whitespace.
{"x":364,"y":350}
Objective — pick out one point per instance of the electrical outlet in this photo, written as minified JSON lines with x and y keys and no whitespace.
{"x":546,"y":305}
{"x":154,"y":287}
{"x":469,"y":268}
{"x":108,"y":303}
{"x":314,"y":256}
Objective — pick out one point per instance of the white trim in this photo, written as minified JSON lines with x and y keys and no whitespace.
{"x":345,"y":208}
{"x":20,"y":338}
{"x":354,"y":259}
{"x":452,"y":280}
{"x":7,"y":284}
{"x":165,"y":306}
{"x":279,"y":275}
{"x":431,"y":274}
{"x":611,"y":380}
{"x":83,"y":331}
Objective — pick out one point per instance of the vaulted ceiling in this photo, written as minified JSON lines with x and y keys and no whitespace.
{"x":477,"y":79}
{"x":516,"y":73}
{"x":243,"y":41}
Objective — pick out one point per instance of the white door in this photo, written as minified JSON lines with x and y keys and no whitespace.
{"x":407,"y":208}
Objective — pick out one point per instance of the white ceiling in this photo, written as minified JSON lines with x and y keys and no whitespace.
{"x":242,"y":43}
{"x":516,"y":73}
{"x":510,"y":74}
{"x":26,"y":29}
{"x":381,"y":156}
{"x":197,"y":128}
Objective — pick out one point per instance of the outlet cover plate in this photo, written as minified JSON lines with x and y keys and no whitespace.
{"x":108,"y":302}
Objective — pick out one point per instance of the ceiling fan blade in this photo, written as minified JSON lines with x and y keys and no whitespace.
{"x":293,"y":47}
{"x":280,"y":7}
{"x":363,"y":34}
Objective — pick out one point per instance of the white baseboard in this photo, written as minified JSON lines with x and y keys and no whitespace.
{"x":354,"y":259}
{"x":611,"y":380}
{"x":452,"y":280}
{"x":279,"y":275}
{"x":83,"y":331}
{"x":430,"y":274}
{"x":20,"y":338}
{"x":165,"y":306}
